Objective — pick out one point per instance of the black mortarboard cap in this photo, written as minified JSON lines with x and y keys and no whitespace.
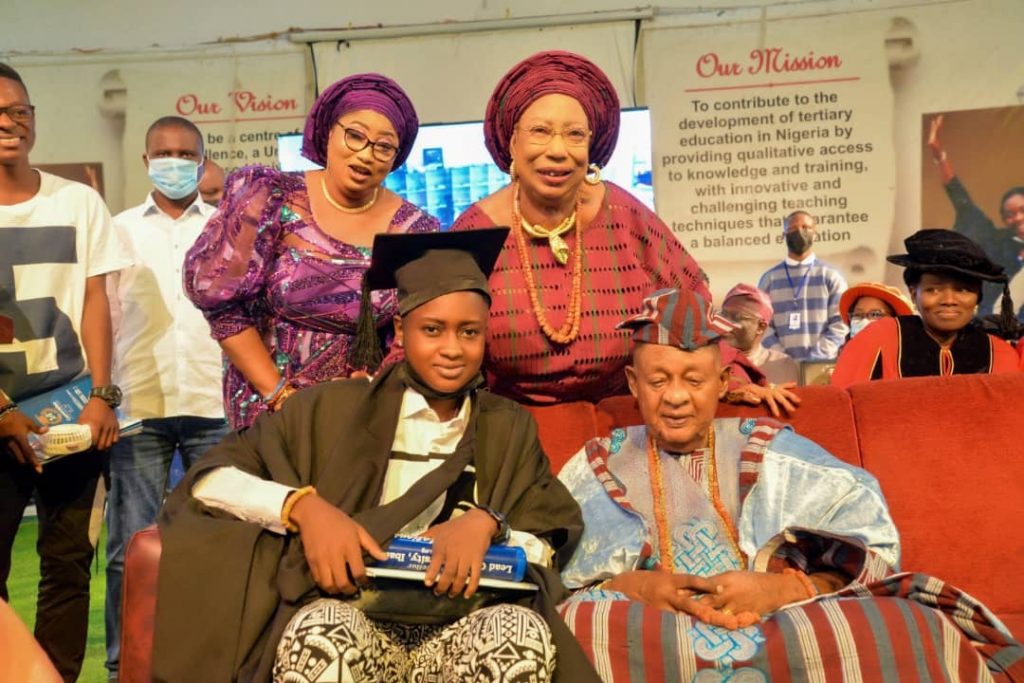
{"x":423,"y":266}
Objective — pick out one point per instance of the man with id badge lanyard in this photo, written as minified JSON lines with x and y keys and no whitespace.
{"x":805,"y":294}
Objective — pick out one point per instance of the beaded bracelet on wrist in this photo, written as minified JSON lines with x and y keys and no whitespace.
{"x":276,"y":398}
{"x":809,"y":587}
{"x":289,"y":504}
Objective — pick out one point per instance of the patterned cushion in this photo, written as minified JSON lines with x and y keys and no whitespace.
{"x":836,"y":639}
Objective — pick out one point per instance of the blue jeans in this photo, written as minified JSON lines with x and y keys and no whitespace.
{"x":139,"y":466}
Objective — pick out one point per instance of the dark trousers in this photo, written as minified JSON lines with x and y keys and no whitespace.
{"x":64,"y":495}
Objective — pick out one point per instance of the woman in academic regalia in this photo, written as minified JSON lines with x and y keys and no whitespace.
{"x":944,"y":272}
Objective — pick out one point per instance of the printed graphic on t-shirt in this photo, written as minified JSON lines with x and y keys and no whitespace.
{"x":46,"y":352}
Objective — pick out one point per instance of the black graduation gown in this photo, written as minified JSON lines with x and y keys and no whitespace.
{"x":228,"y":588}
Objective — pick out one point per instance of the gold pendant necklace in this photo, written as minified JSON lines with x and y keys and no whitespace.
{"x":348,"y":209}
{"x":558,"y":247}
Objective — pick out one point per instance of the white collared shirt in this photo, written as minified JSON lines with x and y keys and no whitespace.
{"x":793,"y":263}
{"x":165,"y":360}
{"x":422,"y":435}
{"x":420,"y":431}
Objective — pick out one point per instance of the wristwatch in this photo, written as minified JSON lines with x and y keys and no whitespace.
{"x":110,"y":394}
{"x":504,"y":531}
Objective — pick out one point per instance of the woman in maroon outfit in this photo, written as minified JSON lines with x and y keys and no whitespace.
{"x":583,"y":252}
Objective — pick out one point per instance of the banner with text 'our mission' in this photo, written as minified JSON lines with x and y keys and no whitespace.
{"x":752,"y":122}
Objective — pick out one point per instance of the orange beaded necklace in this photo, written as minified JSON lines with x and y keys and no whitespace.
{"x":571,"y":327}
{"x":661,"y":523}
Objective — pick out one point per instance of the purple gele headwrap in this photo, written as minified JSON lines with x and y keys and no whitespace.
{"x":352,"y":93}
{"x":547,"y":73}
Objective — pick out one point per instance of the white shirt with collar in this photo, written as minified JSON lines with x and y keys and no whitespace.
{"x":793,"y":263}
{"x":165,"y":360}
{"x":419,"y":432}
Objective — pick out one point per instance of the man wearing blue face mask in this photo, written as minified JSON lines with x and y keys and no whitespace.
{"x":165,"y":361}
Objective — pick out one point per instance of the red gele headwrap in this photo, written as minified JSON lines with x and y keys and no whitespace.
{"x":752,"y":298}
{"x":547,"y":73}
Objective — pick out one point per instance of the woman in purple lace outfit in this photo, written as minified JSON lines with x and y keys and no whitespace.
{"x":278,"y":269}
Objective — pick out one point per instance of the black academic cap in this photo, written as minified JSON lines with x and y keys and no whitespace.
{"x":423,"y":266}
{"x":947,"y":251}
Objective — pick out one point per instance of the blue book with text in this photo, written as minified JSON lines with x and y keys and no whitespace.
{"x":64,"y":404}
{"x":503,"y":562}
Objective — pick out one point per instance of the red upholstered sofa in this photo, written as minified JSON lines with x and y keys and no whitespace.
{"x":948,"y":452}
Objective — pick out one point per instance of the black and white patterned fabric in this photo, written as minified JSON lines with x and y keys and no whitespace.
{"x":329,"y":641}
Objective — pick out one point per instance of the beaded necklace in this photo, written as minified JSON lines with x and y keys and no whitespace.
{"x":661,"y":523}
{"x":571,"y":327}
{"x":363,"y":208}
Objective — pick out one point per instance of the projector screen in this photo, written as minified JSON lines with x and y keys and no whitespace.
{"x":449,"y":168}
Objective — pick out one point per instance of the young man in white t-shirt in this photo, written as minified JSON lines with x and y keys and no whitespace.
{"x":56,"y":246}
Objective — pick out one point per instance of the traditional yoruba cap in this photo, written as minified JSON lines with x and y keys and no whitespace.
{"x":546,"y":73}
{"x":360,"y":91}
{"x":677,"y":317}
{"x":890,"y":295}
{"x":948,"y":251}
{"x":424,"y":266}
{"x":755,"y":300}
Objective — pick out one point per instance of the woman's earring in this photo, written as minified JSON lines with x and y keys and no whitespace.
{"x":593,"y":176}
{"x":512,"y":170}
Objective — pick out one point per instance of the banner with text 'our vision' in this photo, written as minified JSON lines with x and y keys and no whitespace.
{"x":752,"y":122}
